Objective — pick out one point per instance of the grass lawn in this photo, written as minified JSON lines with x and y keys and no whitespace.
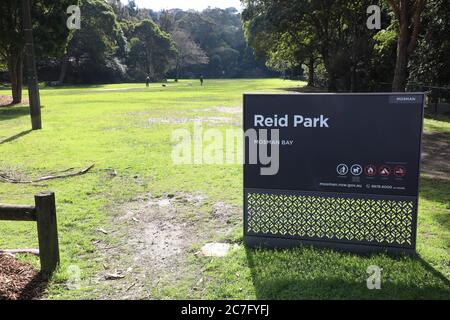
{"x":125,"y":130}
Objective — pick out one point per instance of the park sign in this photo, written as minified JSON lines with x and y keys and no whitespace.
{"x":346,"y":173}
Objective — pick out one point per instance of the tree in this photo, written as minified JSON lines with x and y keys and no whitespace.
{"x":431,"y":59}
{"x":189,"y":53}
{"x":2,"y":65}
{"x":167,"y":21}
{"x":12,"y":44}
{"x":132,"y":8}
{"x":50,"y":33}
{"x":215,"y":32}
{"x":383,"y":59}
{"x":334,"y":29}
{"x":109,"y":49}
{"x":152,"y":49}
{"x":285,"y":46}
{"x":292,"y":52}
{"x":120,"y":9}
{"x":200,"y":28}
{"x":93,"y":46}
{"x":408,"y":14}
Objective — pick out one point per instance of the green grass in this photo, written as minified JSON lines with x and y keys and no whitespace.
{"x":437,"y":124}
{"x":108,"y":125}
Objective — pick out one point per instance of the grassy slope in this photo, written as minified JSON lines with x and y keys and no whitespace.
{"x":108,"y":125}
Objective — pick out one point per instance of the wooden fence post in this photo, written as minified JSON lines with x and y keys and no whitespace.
{"x":47,"y":231}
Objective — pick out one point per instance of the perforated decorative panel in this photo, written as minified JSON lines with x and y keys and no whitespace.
{"x":328,"y":217}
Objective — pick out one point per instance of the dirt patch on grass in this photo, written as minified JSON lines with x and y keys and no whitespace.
{"x":229,"y":110}
{"x":13,"y":172}
{"x":436,"y":155}
{"x":236,"y":110}
{"x":233,"y":118}
{"x":209,"y":120}
{"x":155,"y":238}
{"x":6,"y":101}
{"x":19,"y":280}
{"x":164,"y":234}
{"x":223,"y":212}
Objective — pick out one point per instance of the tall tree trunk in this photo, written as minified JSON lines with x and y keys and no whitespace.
{"x":15,"y":67}
{"x":408,"y":14}
{"x":177,"y":70}
{"x":311,"y":71}
{"x":354,"y":63}
{"x":401,"y":64}
{"x":148,"y":54}
{"x":63,"y":72}
{"x":353,"y":79}
{"x":332,"y":85}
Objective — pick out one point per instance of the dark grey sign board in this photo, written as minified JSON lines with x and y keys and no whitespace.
{"x":347,"y":175}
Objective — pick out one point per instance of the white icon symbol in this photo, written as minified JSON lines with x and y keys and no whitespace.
{"x":385,"y":171}
{"x":356,"y":170}
{"x":342,"y":169}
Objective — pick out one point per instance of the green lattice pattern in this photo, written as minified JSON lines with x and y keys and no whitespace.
{"x":331,"y":218}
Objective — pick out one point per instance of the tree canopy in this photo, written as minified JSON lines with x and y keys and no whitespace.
{"x":49,"y":26}
{"x":91,"y":50}
{"x":331,"y":35}
{"x":151,"y":50}
{"x":326,"y":40}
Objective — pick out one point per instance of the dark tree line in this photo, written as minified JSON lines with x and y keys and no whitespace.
{"x":431,"y":61}
{"x":330,"y":39}
{"x":49,"y":28}
{"x":326,"y":41}
{"x":120,"y":42}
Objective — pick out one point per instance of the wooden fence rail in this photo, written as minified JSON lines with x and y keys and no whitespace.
{"x":44,"y":213}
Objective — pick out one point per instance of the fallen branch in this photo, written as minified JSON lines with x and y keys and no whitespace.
{"x":114,"y":276}
{"x":51,"y":177}
{"x":102,"y":231}
{"x":131,"y":286}
{"x":17,"y":251}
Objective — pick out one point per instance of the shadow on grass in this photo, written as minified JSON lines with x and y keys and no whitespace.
{"x":437,"y":191}
{"x":307,"y":273}
{"x":436,"y":155}
{"x":429,"y":114}
{"x":7,"y":113}
{"x":305,"y":89}
{"x":15,"y":137}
